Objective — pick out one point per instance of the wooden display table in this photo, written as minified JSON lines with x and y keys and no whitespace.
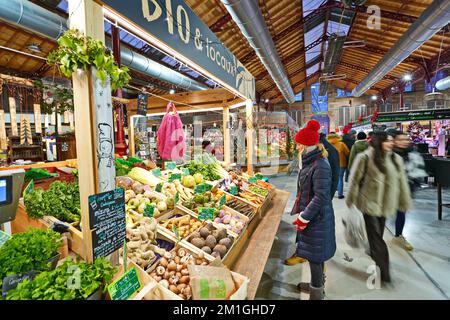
{"x":39,"y":165}
{"x":254,"y":256}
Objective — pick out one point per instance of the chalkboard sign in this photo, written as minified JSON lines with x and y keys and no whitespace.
{"x":108,"y":238}
{"x":107,"y":218}
{"x":185,"y":171}
{"x":3,"y":237}
{"x":126,"y":286}
{"x":200,"y":188}
{"x":11,"y":282}
{"x":142,"y":104}
{"x":106,"y":206}
{"x":159,"y":187}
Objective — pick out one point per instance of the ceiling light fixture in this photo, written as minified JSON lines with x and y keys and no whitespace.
{"x":374,"y":97}
{"x":34,"y":47}
{"x":266,"y":101}
{"x":407,"y":77}
{"x":172,"y":91}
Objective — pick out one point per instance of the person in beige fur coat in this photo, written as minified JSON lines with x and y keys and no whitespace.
{"x":378,"y":187}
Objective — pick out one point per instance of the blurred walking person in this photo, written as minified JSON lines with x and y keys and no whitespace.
{"x":415,"y":172}
{"x":343,"y":151}
{"x":315,"y":216}
{"x":378,"y":187}
{"x":360,"y":145}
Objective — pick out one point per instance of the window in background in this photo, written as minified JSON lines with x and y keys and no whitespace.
{"x":299,"y":96}
{"x":406,"y":106}
{"x":344,"y":116}
{"x":318,"y":103}
{"x":342,"y":93}
{"x":409,"y":87}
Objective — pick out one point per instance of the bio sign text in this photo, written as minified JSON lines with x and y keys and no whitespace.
{"x":174,"y":23}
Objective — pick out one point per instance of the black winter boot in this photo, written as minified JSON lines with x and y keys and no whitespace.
{"x":316,"y":293}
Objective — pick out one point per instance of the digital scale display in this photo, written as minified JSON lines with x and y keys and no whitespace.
{"x":5,"y":190}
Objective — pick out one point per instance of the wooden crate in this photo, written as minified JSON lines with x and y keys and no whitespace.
{"x":178,"y":210}
{"x":23,"y":222}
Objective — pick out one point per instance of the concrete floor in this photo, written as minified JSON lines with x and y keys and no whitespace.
{"x":420,"y":274}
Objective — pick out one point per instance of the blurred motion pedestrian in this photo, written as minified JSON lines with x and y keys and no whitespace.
{"x":415,"y":172}
{"x":360,"y":145}
{"x":343,"y":151}
{"x":378,"y":188}
{"x":315,"y":216}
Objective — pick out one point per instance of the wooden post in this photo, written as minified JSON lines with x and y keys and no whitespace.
{"x":37,"y":118}
{"x":131,"y":144}
{"x":3,"y":142}
{"x":249,"y":133}
{"x":226,"y":136}
{"x":86,"y":16}
{"x":13,"y":116}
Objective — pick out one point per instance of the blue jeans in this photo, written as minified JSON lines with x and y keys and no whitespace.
{"x":399,"y":223}
{"x":341,"y":182}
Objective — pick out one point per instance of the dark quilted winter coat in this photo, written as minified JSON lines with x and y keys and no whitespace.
{"x":317,"y":243}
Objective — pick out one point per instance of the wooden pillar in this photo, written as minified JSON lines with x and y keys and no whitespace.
{"x":249,"y":133}
{"x":13,"y":116}
{"x":86,"y":16}
{"x":226,"y":136}
{"x":37,"y":118}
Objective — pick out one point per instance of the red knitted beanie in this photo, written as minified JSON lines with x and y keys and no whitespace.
{"x":309,"y":136}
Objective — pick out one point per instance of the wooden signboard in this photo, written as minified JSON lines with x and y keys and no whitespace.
{"x":3,"y":141}
{"x":107,"y":219}
{"x":11,"y":282}
{"x":12,"y":112}
{"x":37,"y":118}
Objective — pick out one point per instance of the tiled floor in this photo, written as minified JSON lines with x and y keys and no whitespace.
{"x":420,"y":274}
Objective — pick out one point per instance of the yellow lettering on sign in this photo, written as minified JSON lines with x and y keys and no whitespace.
{"x":146,"y":10}
{"x":180,"y":25}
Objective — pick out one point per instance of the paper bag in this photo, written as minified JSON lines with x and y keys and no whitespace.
{"x":211,"y":283}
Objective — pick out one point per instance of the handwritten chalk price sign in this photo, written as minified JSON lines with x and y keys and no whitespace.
{"x":107,"y":219}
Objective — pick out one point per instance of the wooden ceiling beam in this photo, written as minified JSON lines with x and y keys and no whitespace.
{"x":360,"y":68}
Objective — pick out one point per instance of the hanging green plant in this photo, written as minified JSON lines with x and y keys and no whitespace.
{"x":77,"y":51}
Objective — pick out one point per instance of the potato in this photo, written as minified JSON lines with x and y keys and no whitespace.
{"x":174,"y":289}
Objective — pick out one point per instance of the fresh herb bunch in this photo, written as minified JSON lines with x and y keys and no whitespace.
{"x":61,"y":200}
{"x":58,"y":285}
{"x":76,"y":51}
{"x":28,"y":251}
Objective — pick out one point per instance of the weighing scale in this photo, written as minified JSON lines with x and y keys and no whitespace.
{"x":11,"y":182}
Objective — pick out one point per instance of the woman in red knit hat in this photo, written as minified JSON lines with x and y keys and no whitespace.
{"x":315,"y":216}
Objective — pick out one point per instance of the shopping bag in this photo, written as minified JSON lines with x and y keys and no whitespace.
{"x":354,"y":229}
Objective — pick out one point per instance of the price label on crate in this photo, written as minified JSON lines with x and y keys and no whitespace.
{"x":177,"y":198}
{"x":126,"y":286}
{"x":234,"y":190}
{"x":174,"y":176}
{"x":223,"y":200}
{"x":149,"y":211}
{"x":200,"y":188}
{"x":3,"y":237}
{"x":156,"y":172}
{"x":170,"y":165}
{"x":252,"y":180}
{"x":208,"y":187}
{"x":206,"y":213}
{"x":159,"y":187}
{"x":29,"y":188}
{"x":185,"y":171}
{"x":175,"y":231}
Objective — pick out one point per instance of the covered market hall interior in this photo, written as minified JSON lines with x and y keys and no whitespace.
{"x":286,"y":149}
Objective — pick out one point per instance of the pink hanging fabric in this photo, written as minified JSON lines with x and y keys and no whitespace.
{"x":171,"y":137}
